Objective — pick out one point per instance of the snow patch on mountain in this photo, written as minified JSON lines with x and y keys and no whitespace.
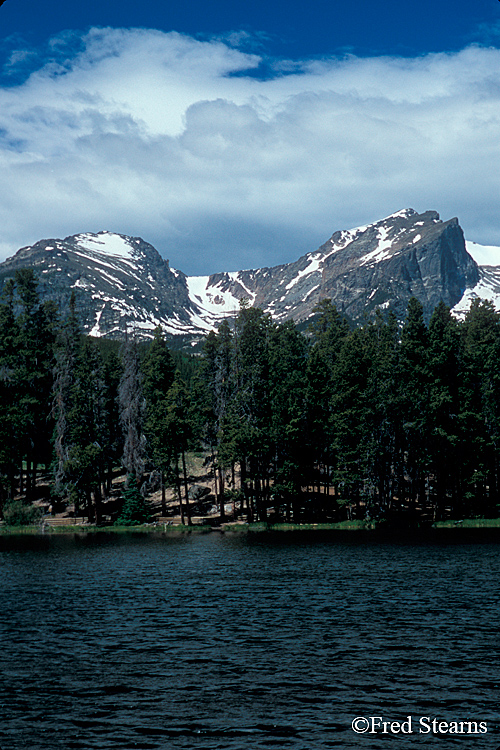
{"x":387,"y":231}
{"x":108,"y":244}
{"x":313,"y":266}
{"x":212,"y":300}
{"x":484,"y":255}
{"x":404,"y":213}
{"x":381,"y":251}
{"x":341,"y":239}
{"x":236,"y":276}
{"x":211,"y":303}
{"x":488,"y":286}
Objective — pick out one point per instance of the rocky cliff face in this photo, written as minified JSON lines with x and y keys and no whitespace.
{"x":380,"y":265}
{"x":122,"y":283}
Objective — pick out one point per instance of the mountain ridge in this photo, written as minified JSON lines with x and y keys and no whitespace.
{"x":122,"y":283}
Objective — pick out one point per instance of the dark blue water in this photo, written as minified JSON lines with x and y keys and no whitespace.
{"x":246,"y":642}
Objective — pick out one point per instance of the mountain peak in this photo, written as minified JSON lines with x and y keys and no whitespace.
{"x":107,"y":243}
{"x":404,"y":213}
{"x":381,"y":264}
{"x":123,"y":284}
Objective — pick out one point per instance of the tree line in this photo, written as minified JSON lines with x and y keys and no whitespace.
{"x":380,"y":420}
{"x":78,"y":408}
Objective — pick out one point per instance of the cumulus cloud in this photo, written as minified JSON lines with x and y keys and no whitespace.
{"x":181,"y":142}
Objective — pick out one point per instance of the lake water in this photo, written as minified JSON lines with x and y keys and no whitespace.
{"x":247,"y":642}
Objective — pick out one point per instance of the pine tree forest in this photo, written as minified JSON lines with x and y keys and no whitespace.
{"x":382,"y":421}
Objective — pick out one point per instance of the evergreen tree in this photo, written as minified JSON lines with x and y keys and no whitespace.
{"x":81,"y":421}
{"x":178,"y":434}
{"x":158,"y":369}
{"x":67,"y":353}
{"x":212,"y":393}
{"x":443,"y":361}
{"x":132,"y":411}
{"x":480,"y":411}
{"x":136,"y":509}
{"x":224,"y":391}
{"x":11,"y":417}
{"x":250,"y":413}
{"x":113,"y":434}
{"x":353,"y":418}
{"x":35,"y":360}
{"x":318,"y":404}
{"x":328,"y":333}
{"x":287,"y":379}
{"x":328,"y":330}
{"x":387,"y":414}
{"x":86,"y":456}
{"x":414,"y":400}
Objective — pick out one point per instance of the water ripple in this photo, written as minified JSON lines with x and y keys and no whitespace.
{"x":213,"y":642}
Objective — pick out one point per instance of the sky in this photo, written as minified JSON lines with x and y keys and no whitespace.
{"x":241,"y":135}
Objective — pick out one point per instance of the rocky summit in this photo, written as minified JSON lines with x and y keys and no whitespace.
{"x":380,"y":265}
{"x":123,"y":284}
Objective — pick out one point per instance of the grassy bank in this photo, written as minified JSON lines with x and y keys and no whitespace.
{"x":340,"y":526}
{"x":238,"y":528}
{"x":66,"y":529}
{"x":469,"y":523}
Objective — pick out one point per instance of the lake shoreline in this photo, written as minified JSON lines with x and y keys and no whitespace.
{"x":372,"y":528}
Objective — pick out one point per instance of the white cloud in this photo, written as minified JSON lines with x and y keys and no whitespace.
{"x":174,"y":139}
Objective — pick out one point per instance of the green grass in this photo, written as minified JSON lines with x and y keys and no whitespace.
{"x":5,"y":530}
{"x":469,"y":523}
{"x":340,"y":526}
{"x":143,"y":529}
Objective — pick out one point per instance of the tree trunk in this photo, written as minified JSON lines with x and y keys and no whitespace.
{"x":12,"y":482}
{"x":178,"y":482}
{"x":163,"y":496}
{"x":186,"y":493}
{"x":33,"y":475}
{"x":90,"y":507}
{"x":109,"y":478}
{"x":221,"y":494}
{"x":29,"y":491}
{"x":98,"y":504}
